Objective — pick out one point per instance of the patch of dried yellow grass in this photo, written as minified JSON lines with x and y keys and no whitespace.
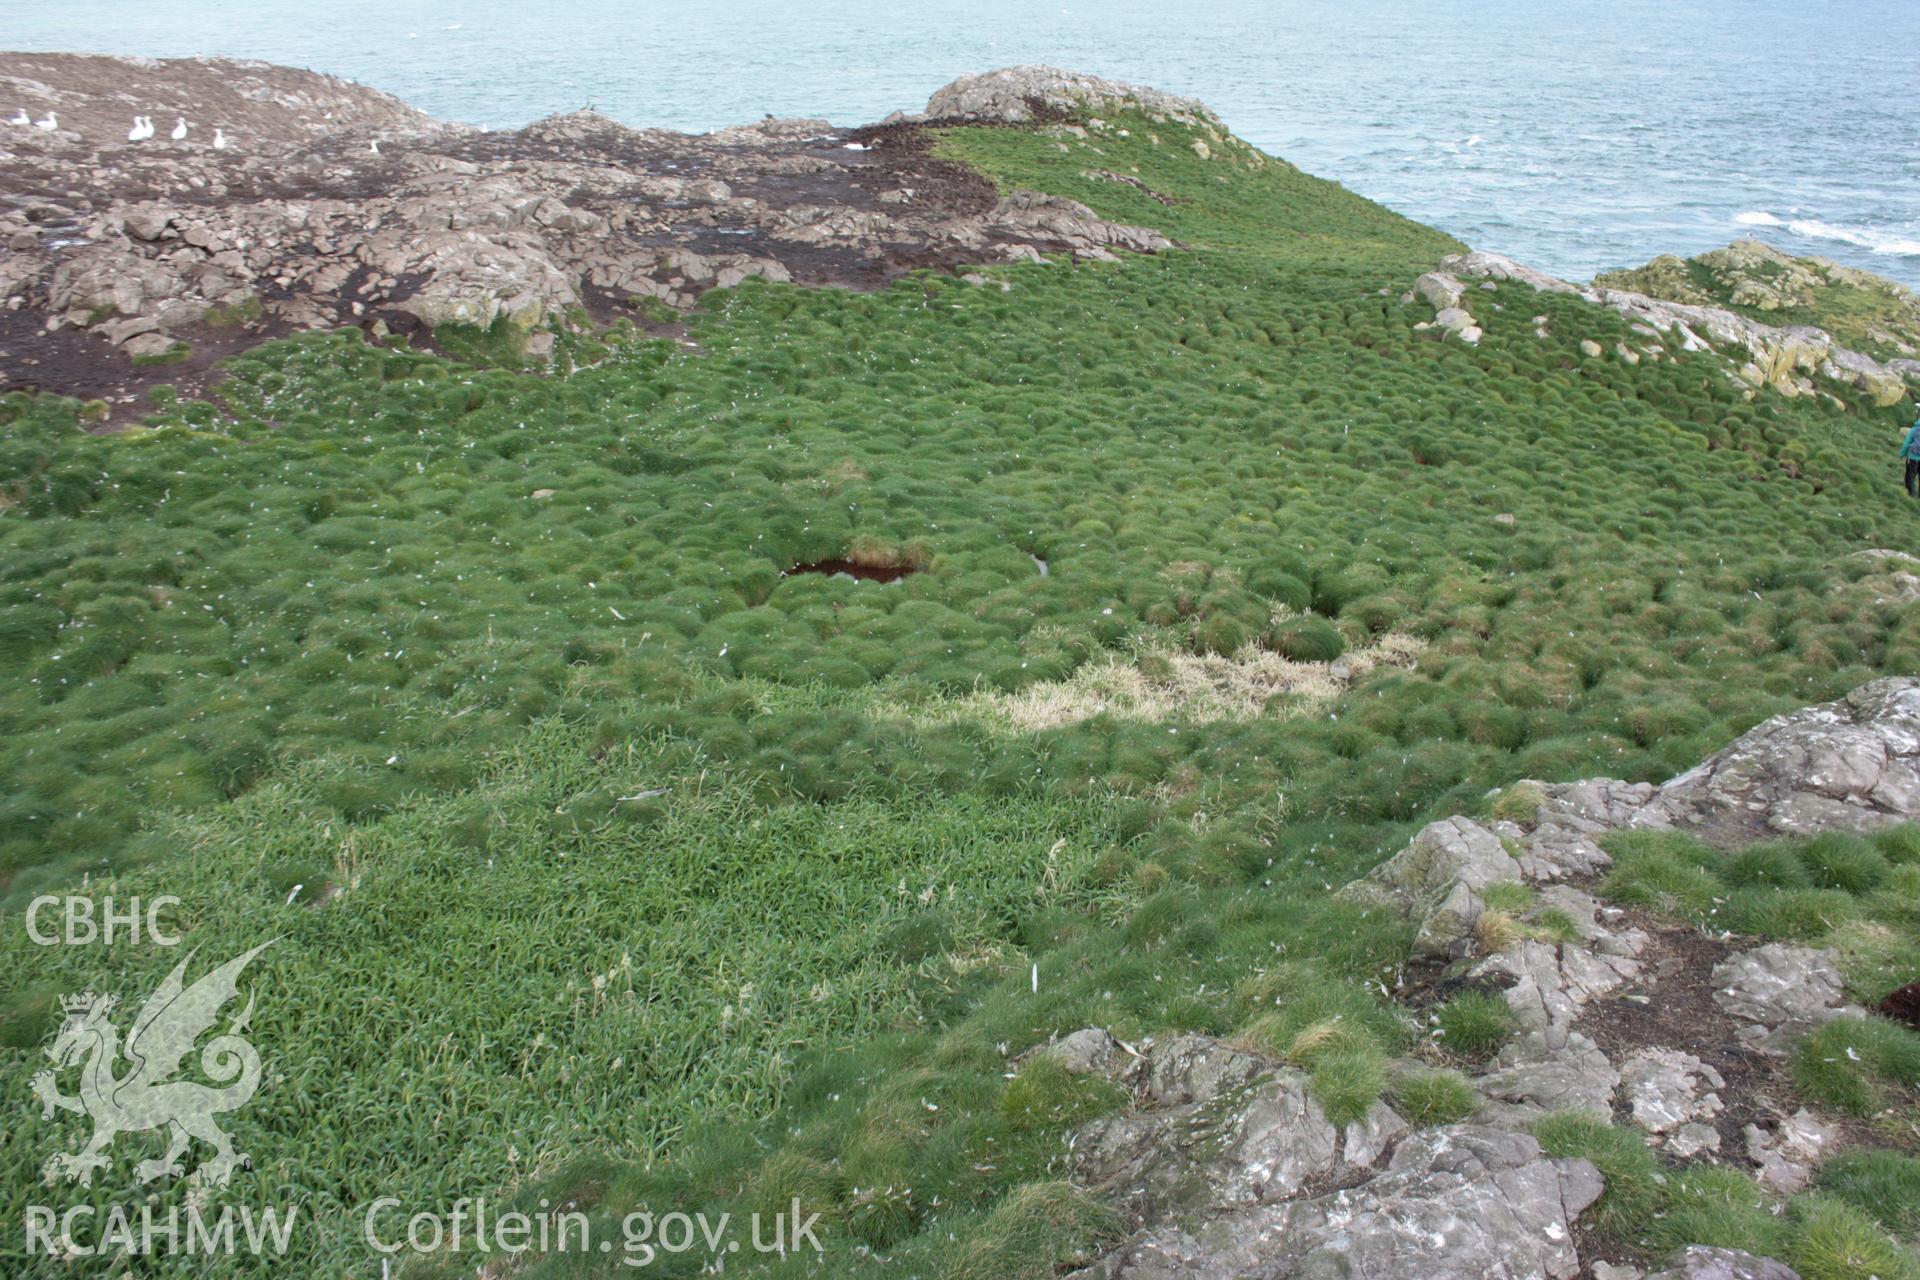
{"x":1159,"y":684}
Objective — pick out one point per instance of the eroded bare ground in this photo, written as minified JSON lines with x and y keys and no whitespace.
{"x":329,"y":204}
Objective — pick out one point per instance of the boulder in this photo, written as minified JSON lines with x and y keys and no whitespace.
{"x":1089,"y":1051}
{"x":1220,"y":1129}
{"x":1439,"y":289}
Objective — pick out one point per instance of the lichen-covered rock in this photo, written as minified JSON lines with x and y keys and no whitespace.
{"x":1664,"y":1089}
{"x":1255,"y":1141}
{"x":1089,"y":1051}
{"x":1778,"y":991}
{"x":1194,"y":1068}
{"x":1549,"y":983}
{"x":1458,"y":1203}
{"x":1528,"y":1081}
{"x":1852,"y":764}
{"x":1439,"y":289}
{"x":1789,"y":1152}
{"x":1753,"y":276}
{"x":1571,"y":818}
{"x":1436,"y":881}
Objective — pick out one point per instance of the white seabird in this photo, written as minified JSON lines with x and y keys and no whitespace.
{"x":51,"y":123}
{"x":179,"y":133}
{"x":219,"y":140}
{"x":21,"y":117}
{"x":141,"y":130}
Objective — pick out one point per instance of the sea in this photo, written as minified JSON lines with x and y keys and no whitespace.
{"x":1575,"y":135}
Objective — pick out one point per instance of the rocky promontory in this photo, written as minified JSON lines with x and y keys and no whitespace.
{"x":297,"y":201}
{"x":1786,"y":357}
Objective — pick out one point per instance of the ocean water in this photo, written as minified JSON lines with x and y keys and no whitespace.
{"x":1576,"y":135}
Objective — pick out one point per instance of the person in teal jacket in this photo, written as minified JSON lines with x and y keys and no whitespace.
{"x":1910,"y":454}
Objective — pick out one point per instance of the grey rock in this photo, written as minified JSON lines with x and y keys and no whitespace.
{"x":1089,"y":1051}
{"x":1693,"y":1139}
{"x":1457,"y":321}
{"x":1852,"y":764}
{"x":1196,"y":1068}
{"x":1439,"y":289}
{"x":1698,"y":1262}
{"x":1436,"y":880}
{"x":1262,"y":1140}
{"x":1664,"y":1089}
{"x":1549,"y":984}
{"x":1774,"y":356}
{"x":1609,"y":1271}
{"x":1779,"y":990}
{"x":1458,"y":1203}
{"x":1788,"y":1155}
{"x":118,"y":331}
{"x":1009,"y":95}
{"x":1529,"y":1080}
{"x":147,"y":345}
{"x":1571,"y":818}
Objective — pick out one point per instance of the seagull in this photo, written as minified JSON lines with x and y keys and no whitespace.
{"x":219,"y":140}
{"x":179,"y":133}
{"x":374,"y":146}
{"x":141,"y":131}
{"x":21,"y":117}
{"x":51,"y":123}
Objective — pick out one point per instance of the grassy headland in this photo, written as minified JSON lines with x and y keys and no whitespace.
{"x":612,"y":867}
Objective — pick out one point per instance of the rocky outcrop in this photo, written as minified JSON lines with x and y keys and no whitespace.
{"x":1437,"y":879}
{"x":1866,"y":311}
{"x":330,"y":204}
{"x":1227,"y":1167}
{"x":1018,"y":95}
{"x":1221,"y":1129}
{"x":1852,"y":764}
{"x":1456,"y":1203}
{"x":94,"y":98}
{"x":1786,"y":358}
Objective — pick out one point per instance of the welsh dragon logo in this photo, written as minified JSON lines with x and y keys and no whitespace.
{"x":145,"y":1098}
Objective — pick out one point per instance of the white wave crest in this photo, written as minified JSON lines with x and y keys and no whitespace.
{"x":1867,"y":238}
